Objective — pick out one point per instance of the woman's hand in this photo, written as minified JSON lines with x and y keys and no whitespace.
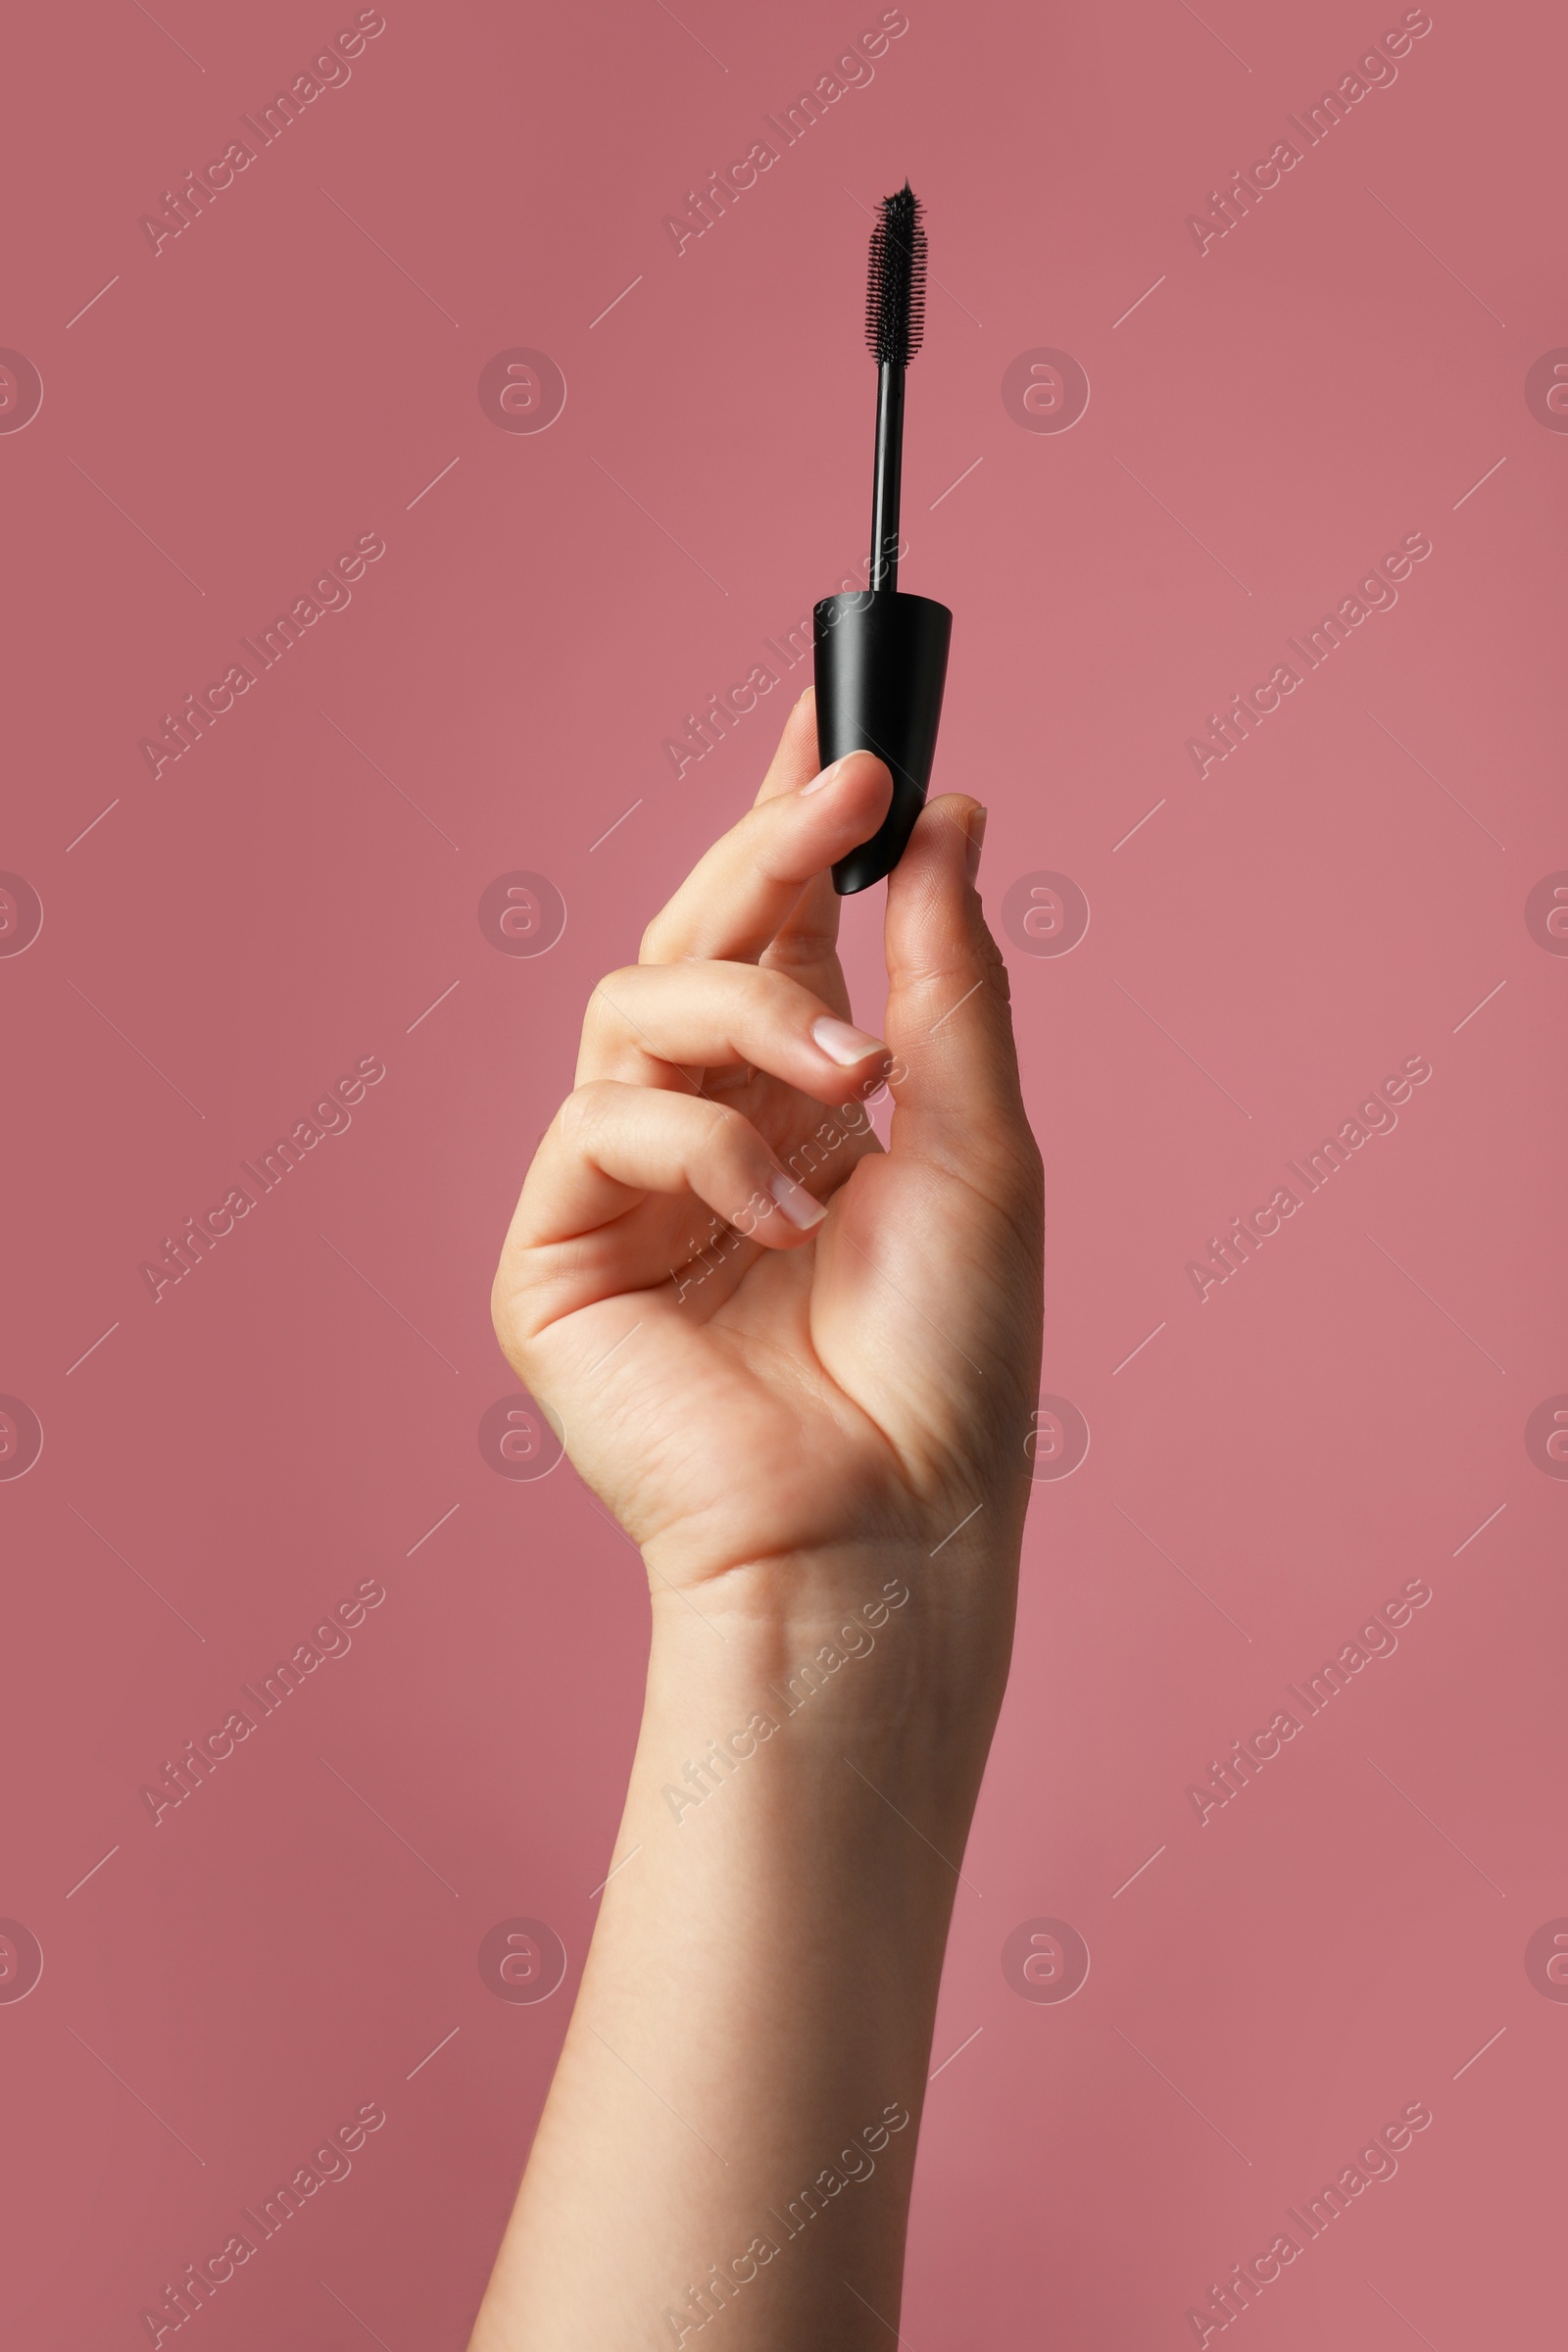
{"x":743,"y":1378}
{"x":814,"y":1425}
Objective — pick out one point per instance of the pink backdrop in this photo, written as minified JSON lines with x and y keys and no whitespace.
{"x":313,"y":363}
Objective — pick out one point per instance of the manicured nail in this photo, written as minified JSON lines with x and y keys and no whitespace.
{"x":844,"y":1045}
{"x":826,"y":777}
{"x":977,"y":834}
{"x":803,"y":1212}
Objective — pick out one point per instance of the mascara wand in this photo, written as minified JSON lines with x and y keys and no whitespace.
{"x":895,"y":322}
{"x":882,"y":656}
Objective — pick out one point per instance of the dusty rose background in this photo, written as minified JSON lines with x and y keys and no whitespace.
{"x":300,"y":891}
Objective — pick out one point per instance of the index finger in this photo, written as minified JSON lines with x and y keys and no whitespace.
{"x":738,"y":896}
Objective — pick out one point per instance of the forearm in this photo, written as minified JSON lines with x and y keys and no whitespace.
{"x":740,"y":2090}
{"x":837,"y":1394}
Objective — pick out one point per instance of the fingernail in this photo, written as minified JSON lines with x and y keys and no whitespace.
{"x":803,"y":1212}
{"x":844,"y":1045}
{"x":977,"y":834}
{"x":826,"y":777}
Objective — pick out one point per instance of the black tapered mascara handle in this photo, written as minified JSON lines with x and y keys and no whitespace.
{"x":881,"y":665}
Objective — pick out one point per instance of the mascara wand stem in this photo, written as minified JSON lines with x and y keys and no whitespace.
{"x":880,"y":658}
{"x":887,"y":477}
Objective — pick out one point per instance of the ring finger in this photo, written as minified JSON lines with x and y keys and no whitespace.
{"x":611,"y":1145}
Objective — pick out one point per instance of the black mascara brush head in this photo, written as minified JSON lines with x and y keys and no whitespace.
{"x":895,"y":294}
{"x":882,"y":654}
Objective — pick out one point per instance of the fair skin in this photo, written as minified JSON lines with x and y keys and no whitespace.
{"x":815,"y":1427}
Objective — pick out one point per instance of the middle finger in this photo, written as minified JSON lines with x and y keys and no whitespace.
{"x":649,"y":1024}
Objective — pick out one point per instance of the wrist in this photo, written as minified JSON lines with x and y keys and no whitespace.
{"x":866,"y":1653}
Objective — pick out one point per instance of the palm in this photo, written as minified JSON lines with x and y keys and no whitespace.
{"x":757,"y":1402}
{"x":732,"y":1401}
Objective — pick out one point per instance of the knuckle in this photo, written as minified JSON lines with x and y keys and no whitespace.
{"x":517,"y":1312}
{"x":1015,"y":1173}
{"x":729,"y":1129}
{"x":770,"y":992}
{"x":504,"y":1314}
{"x":600,"y":1012}
{"x":583,"y":1113}
{"x":753,"y":990}
{"x":807,"y":945}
